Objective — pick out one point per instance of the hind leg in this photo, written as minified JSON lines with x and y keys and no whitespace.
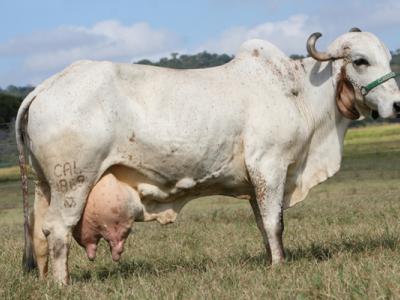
{"x":64,"y":213}
{"x":68,"y":199}
{"x":40,"y":245}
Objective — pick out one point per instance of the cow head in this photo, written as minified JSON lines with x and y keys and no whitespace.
{"x":361,"y":72}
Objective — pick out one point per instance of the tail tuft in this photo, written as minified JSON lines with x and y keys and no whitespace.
{"x":28,"y":259}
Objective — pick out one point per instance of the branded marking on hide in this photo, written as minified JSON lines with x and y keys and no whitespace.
{"x":66,"y":169}
{"x":69,"y":202}
{"x":80,"y":178}
{"x":74,"y":182}
{"x":64,"y":185}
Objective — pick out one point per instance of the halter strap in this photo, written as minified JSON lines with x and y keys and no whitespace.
{"x":366,"y":89}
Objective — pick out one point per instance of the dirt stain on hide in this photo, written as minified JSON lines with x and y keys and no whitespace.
{"x":256,"y":53}
{"x":260,"y":185}
{"x":274,"y":69}
{"x":302,"y":65}
{"x":132,"y":138}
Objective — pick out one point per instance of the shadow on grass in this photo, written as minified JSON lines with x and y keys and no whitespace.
{"x":140,"y":268}
{"x":312,"y":252}
{"x":324,"y":252}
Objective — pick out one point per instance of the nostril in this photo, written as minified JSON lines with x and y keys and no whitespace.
{"x":396,"y":107}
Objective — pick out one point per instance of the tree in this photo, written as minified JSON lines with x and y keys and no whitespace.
{"x":9,"y":105}
{"x":195,"y":61}
{"x":297,"y":56}
{"x":16,"y":91}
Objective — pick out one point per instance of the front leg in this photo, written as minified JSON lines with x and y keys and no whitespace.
{"x":268,"y":179}
{"x":260,"y":225}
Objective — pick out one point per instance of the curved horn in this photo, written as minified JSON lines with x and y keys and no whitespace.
{"x":320,"y":56}
{"x":355,"y":29}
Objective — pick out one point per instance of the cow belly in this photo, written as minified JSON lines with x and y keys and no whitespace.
{"x":226,"y":181}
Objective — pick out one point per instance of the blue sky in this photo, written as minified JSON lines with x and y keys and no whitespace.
{"x":39,"y":38}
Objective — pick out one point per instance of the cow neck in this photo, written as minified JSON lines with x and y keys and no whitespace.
{"x":322,"y":154}
{"x":320,"y":84}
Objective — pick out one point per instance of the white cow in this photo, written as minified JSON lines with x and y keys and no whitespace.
{"x":261,"y":125}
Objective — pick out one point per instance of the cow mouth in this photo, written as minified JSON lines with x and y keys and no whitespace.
{"x":375,"y":115}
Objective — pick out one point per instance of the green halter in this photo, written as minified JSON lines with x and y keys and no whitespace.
{"x":366,"y":89}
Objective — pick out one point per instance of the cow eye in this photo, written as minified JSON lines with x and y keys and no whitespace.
{"x":361,"y":62}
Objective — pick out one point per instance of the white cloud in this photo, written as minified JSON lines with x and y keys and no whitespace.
{"x":385,"y":15}
{"x":375,"y":15}
{"x":107,"y":40}
{"x":378,"y":17}
{"x":290,"y":35}
{"x":30,"y":59}
{"x":45,"y":53}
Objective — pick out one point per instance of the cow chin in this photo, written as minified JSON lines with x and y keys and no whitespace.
{"x":364,"y":110}
{"x":384,"y":110}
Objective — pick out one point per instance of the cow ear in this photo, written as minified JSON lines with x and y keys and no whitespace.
{"x":345,"y":98}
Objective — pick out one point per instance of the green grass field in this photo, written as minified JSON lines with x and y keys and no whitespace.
{"x":342,"y":242}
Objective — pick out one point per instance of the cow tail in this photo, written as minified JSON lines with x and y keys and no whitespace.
{"x":28,"y":260}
